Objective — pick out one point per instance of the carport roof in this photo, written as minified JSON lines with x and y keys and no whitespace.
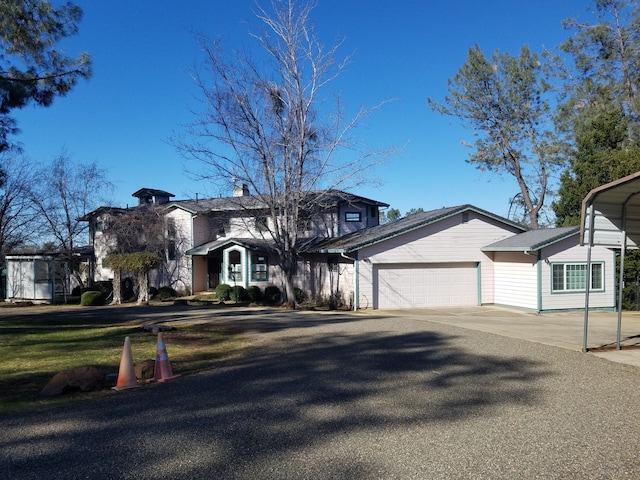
{"x":379,"y":233}
{"x":616,"y":209}
{"x":532,"y":240}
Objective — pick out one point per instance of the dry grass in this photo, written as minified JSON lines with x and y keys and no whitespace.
{"x":36,"y":347}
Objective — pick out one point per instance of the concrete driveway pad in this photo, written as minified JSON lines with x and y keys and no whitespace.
{"x":367,"y":395}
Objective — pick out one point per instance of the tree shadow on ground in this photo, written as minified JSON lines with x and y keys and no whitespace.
{"x":292,"y":403}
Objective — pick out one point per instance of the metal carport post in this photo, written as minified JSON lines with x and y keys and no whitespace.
{"x":605,"y":222}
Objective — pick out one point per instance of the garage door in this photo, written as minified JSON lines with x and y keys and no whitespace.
{"x":426,"y":285}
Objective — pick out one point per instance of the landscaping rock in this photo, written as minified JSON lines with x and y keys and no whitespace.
{"x":157,"y":328}
{"x":79,"y":379}
{"x":145,"y":369}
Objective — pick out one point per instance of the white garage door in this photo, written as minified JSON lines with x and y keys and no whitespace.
{"x":427,"y":285}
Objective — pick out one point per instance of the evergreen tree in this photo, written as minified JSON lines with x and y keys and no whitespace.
{"x":32,"y":69}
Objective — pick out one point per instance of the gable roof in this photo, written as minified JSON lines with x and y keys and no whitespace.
{"x":248,"y":243}
{"x":325,"y":198}
{"x":533,"y":240}
{"x":379,"y":233}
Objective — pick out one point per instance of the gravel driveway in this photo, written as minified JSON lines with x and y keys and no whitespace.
{"x":351,"y":396}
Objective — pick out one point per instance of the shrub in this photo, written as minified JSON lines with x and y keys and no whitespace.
{"x":77,"y":291}
{"x":238,"y":293}
{"x":153,"y":291}
{"x":272,"y":295}
{"x":223,"y":291}
{"x":105,"y":286}
{"x":254,"y":293}
{"x":300,"y":295}
{"x":165,"y":293}
{"x":92,"y":298}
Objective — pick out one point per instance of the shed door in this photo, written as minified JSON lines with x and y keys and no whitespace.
{"x":426,"y":285}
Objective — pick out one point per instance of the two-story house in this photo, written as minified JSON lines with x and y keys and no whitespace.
{"x":226,"y":240}
{"x":451,"y":256}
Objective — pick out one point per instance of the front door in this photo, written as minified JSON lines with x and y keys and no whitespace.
{"x":213,"y":271}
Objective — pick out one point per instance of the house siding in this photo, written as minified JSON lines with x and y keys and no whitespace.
{"x":568,"y":251}
{"x":366,"y":219}
{"x":524,"y":281}
{"x":322,"y":277}
{"x":103,"y":244}
{"x":516,"y":280}
{"x":22,"y":284}
{"x":177,"y":272}
{"x":451,"y":240}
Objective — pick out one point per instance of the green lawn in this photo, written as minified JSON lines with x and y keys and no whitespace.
{"x":36,"y":346}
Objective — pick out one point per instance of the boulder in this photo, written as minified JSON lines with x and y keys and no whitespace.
{"x":144,"y":369}
{"x":79,"y":379}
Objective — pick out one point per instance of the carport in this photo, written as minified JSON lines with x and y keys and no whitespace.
{"x":611,"y":218}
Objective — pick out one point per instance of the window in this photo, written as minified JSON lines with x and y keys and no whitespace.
{"x":171,"y":250}
{"x":304,"y":222}
{"x":262,"y":224}
{"x":171,"y":227}
{"x":571,"y":277}
{"x":235,"y":266}
{"x":352,"y":216}
{"x":99,"y":226}
{"x":221,"y":226}
{"x":41,"y":271}
{"x":259,"y":268}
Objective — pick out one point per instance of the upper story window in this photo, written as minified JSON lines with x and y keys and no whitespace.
{"x":353,"y":217}
{"x":171,"y":227}
{"x":172,"y":250}
{"x":262,"y":223}
{"x":99,"y":226}
{"x":571,"y":277}
{"x":304,"y":223}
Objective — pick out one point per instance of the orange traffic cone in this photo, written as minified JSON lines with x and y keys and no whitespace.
{"x":126,"y":374}
{"x":162,"y":370}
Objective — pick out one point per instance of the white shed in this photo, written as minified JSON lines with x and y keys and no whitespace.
{"x":34,"y":278}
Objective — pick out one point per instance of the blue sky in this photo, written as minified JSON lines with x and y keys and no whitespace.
{"x":141,"y":92}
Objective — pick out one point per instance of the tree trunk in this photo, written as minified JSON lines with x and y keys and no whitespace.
{"x":117,"y":294}
{"x":143,"y":288}
{"x":289,"y":291}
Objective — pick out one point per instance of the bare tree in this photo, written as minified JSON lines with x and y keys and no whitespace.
{"x":65,"y":193}
{"x":17,"y":215}
{"x":138,"y":236}
{"x":270,"y":124}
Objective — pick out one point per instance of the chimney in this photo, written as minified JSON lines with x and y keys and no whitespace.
{"x":241,"y":190}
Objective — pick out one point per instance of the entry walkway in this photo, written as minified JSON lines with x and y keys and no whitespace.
{"x":563,"y":330}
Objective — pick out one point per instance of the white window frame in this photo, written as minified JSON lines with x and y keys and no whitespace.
{"x":567,"y":278}
{"x":350,"y":217}
{"x":261,"y":268}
